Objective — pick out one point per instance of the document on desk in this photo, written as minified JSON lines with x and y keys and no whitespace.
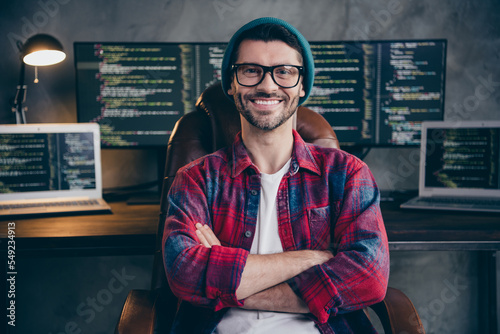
{"x":459,"y":167}
{"x":48,"y":169}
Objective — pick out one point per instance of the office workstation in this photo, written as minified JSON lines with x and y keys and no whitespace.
{"x":430,"y":249}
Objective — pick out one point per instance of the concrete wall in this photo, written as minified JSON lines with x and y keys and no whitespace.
{"x":472,"y":92}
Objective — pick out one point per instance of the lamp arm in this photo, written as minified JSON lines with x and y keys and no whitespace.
{"x":20,"y":97}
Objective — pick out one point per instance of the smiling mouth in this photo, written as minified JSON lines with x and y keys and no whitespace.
{"x":266,"y":102}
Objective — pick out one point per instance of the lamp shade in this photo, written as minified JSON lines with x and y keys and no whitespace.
{"x":42,"y":50}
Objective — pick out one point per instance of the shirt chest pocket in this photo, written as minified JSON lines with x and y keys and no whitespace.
{"x":320,"y":223}
{"x":319,"y":215}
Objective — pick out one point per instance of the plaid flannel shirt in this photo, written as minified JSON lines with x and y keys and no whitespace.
{"x":327,"y":200}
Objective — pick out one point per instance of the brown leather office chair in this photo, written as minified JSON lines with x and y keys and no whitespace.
{"x":212,"y":125}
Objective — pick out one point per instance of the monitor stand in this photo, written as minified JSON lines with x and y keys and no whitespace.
{"x":145,"y":197}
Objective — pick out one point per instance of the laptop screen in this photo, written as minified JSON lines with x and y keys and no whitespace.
{"x":461,"y":157}
{"x":56,"y":159}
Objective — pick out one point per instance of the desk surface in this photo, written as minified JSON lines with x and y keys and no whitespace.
{"x":440,"y":230}
{"x":132,"y":229}
{"x":129,"y":229}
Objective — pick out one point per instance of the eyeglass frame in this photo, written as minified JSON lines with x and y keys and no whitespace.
{"x":266,"y":69}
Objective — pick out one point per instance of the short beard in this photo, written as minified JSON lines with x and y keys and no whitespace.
{"x":265,"y":125}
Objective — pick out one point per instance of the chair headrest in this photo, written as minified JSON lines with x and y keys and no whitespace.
{"x":312,"y":127}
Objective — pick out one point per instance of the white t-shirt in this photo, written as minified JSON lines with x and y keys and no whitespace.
{"x":266,"y":241}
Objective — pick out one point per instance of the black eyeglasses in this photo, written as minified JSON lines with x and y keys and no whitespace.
{"x":285,"y":76}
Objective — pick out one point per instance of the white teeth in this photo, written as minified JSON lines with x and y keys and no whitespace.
{"x":268,"y":102}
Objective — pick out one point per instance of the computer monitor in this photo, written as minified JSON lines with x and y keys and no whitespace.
{"x":138,"y":91}
{"x":377,"y":93}
{"x":373,"y":93}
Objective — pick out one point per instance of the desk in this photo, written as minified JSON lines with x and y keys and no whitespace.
{"x":451,"y":231}
{"x":131,"y":229}
{"x":134,"y":226}
{"x":440,"y":230}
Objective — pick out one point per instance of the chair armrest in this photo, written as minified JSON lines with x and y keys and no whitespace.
{"x":137,"y":315}
{"x":397,"y":314}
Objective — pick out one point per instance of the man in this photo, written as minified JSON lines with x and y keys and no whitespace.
{"x":273,"y":235}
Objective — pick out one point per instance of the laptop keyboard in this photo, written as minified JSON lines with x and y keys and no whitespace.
{"x":49,"y":204}
{"x":474,"y":201}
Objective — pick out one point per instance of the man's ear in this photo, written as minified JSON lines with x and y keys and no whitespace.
{"x":302,"y":91}
{"x":230,"y":91}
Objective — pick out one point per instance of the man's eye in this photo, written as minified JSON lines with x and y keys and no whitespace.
{"x":251,"y":70}
{"x":286,"y":71}
{"x":283,"y":72}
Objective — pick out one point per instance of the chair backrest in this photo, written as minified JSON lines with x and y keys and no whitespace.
{"x":213,"y":125}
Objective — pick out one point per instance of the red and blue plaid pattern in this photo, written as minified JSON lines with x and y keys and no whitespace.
{"x":328,"y":200}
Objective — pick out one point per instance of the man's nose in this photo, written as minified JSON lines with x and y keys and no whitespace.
{"x":268,"y":83}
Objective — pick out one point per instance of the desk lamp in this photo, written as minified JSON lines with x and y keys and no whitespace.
{"x":38,"y":50}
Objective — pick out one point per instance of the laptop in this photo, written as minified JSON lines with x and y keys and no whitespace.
{"x":459,"y":167}
{"x":50,"y":169}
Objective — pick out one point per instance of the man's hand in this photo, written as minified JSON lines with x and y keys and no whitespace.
{"x":206,"y":236}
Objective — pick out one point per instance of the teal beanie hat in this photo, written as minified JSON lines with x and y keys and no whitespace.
{"x":306,"y":55}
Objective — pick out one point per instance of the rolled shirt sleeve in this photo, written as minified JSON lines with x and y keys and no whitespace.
{"x":358,"y":274}
{"x":197,"y":274}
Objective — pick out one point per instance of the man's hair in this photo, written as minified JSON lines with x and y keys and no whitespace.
{"x":267,"y":32}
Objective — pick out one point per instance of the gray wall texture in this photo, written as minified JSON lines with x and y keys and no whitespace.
{"x":472,"y":92}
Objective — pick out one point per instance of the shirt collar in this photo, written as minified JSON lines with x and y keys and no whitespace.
{"x":302,"y":157}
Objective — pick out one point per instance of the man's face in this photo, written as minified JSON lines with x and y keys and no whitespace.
{"x":267,"y":105}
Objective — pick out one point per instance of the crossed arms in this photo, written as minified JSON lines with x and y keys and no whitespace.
{"x":228,"y":276}
{"x":262,"y":281}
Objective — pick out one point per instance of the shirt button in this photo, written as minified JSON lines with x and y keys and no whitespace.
{"x":253,"y":192}
{"x":248,"y":234}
